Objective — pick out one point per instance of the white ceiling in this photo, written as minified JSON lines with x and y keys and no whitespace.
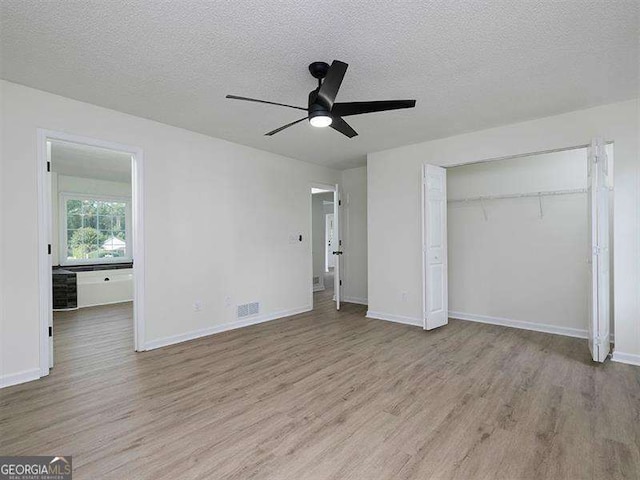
{"x":90,"y":162}
{"x":470,"y":65}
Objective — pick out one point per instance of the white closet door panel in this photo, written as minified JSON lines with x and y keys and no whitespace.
{"x":434,"y":249}
{"x":600,"y":225}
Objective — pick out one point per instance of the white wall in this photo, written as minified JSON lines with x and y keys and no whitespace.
{"x":68,"y":184}
{"x":394,"y":187}
{"x":354,"y":211}
{"x":218,"y":217}
{"x":516,"y":266}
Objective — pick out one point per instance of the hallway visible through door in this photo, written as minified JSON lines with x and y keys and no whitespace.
{"x":325,"y":243}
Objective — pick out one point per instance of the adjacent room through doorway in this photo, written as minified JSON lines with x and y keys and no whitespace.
{"x":91,"y":238}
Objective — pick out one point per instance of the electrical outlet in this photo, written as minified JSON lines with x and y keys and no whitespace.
{"x":227,"y":301}
{"x":404,"y":296}
{"x":197,"y":305}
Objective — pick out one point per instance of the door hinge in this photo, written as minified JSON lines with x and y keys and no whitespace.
{"x":51,"y":331}
{"x":48,"y":166}
{"x":339,"y":203}
{"x":599,"y":154}
{"x":49,"y":249}
{"x":340,"y":282}
{"x":340,"y":243}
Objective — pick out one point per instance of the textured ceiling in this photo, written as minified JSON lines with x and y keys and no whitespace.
{"x":90,"y":162}
{"x":470,"y":64}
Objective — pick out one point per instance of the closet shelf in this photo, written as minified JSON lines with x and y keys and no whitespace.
{"x":519,"y":195}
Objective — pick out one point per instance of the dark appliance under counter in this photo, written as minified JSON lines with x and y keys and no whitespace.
{"x":65,"y":289}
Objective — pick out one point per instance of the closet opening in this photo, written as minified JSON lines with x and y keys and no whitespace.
{"x":524,"y":242}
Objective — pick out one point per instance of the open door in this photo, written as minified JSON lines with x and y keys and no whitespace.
{"x":328,"y":230}
{"x":49,"y":228}
{"x":337,"y":246}
{"x":434,"y":247}
{"x":598,"y":187}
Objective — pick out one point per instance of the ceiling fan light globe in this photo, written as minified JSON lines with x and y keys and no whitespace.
{"x":320,"y":121}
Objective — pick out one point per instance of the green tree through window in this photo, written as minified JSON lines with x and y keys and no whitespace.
{"x":96,"y":229}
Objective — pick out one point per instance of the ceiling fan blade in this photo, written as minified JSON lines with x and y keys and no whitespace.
{"x":357,"y":108}
{"x":343,"y":127}
{"x":331,"y":83}
{"x":235,"y":97}
{"x":273,"y":132}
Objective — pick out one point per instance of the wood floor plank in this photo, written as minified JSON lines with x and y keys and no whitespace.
{"x":327,"y":395}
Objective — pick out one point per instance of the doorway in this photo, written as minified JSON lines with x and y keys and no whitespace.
{"x":522,"y":242}
{"x":326,"y":247}
{"x":91,"y":237}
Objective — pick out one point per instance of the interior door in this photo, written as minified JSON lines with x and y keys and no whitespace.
{"x":434,"y":247}
{"x":49,"y":226}
{"x":329,"y":239}
{"x":337,"y":246}
{"x":599,"y":298}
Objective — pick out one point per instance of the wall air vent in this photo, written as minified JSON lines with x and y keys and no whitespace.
{"x":316,"y":280}
{"x":248,"y":309}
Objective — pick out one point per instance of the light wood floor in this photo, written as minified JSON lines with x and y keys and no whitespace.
{"x":327,"y":395}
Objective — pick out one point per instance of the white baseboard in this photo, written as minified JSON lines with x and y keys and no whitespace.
{"x":318,"y":288}
{"x":358,"y":300}
{"x":506,"y":322}
{"x":204,"y":332}
{"x":629,"y":358}
{"x":20,"y":377}
{"x":417,"y":322}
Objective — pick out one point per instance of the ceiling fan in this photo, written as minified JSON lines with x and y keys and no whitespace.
{"x":323,"y":110}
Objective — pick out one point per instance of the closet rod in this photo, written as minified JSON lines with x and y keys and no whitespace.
{"x":519,"y":195}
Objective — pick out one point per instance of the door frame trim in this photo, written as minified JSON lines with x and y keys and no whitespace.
{"x":44,"y":235}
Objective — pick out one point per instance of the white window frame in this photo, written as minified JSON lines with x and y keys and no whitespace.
{"x":66,"y":196}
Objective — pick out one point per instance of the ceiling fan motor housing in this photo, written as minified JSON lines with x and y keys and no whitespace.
{"x":318,"y":111}
{"x":315,"y":106}
{"x":319,"y":69}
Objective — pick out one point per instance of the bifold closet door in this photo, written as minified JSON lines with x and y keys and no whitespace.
{"x":600,"y":224}
{"x":434,"y":247}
